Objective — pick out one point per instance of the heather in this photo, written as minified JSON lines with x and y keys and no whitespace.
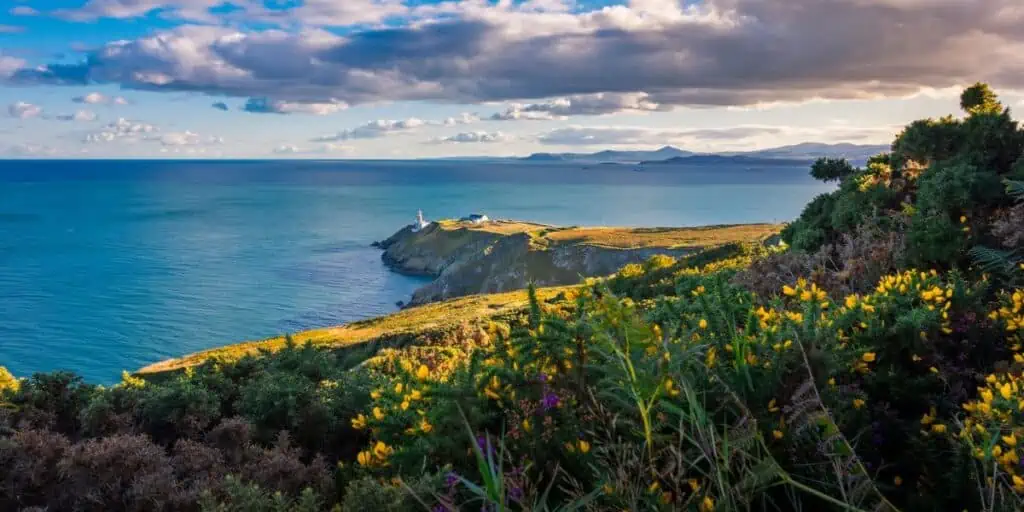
{"x":871,"y":362}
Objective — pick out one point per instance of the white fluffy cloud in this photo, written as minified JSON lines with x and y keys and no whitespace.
{"x":310,"y":12}
{"x":385,"y":127}
{"x":187,"y":138}
{"x":95,"y":98}
{"x":80,"y":115}
{"x":473,"y":137}
{"x":718,"y":52}
{"x":24,"y":110}
{"x":375,"y":129}
{"x":121,"y":130}
{"x":319,"y":149}
{"x":30,"y":150}
{"x":9,"y":66}
{"x":463,"y":118}
{"x":581,"y":105}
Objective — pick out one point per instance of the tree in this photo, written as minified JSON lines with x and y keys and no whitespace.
{"x":979,"y":99}
{"x":831,"y":169}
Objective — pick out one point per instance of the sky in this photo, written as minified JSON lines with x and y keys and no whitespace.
{"x":433,"y":78}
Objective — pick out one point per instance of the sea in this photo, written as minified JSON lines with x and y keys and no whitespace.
{"x":107,"y":266}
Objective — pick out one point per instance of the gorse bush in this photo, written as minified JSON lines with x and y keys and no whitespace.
{"x":944,"y":175}
{"x":7,"y":381}
{"x":875,"y":364}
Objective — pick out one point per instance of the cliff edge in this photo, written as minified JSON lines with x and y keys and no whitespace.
{"x":469,"y":258}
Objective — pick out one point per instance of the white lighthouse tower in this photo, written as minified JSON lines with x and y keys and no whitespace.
{"x":420,"y":222}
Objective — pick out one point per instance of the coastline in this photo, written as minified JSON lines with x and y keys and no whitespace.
{"x":606,"y":248}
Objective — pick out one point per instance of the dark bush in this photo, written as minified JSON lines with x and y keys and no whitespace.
{"x":281,"y":468}
{"x":28,"y":468}
{"x":182,"y":408}
{"x":52,"y":401}
{"x":282,"y":400}
{"x":232,"y":436}
{"x":110,"y":412}
{"x":199,"y":469}
{"x":122,"y":472}
{"x":238,"y":496}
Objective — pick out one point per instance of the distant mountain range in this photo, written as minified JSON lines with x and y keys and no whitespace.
{"x":610,"y":156}
{"x":729,"y":160}
{"x":797,"y":154}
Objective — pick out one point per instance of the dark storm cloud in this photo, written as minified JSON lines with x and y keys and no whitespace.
{"x":729,"y":52}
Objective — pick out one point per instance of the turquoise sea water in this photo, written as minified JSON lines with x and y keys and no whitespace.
{"x":111,"y":265}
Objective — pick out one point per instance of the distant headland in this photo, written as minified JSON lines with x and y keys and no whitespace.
{"x":475,"y":255}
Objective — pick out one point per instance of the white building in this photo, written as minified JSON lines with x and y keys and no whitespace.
{"x":476,"y":218}
{"x":420,"y":221}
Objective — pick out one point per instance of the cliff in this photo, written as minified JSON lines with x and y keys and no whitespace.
{"x":499,"y":256}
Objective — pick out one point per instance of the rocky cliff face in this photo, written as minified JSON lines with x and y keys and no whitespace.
{"x":468,"y":260}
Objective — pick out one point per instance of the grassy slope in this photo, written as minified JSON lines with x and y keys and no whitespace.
{"x":436,"y":317}
{"x":620,"y":237}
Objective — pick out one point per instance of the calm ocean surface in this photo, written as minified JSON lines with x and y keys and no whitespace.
{"x":111,"y":265}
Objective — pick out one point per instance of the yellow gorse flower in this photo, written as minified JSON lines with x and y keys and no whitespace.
{"x":359,"y":422}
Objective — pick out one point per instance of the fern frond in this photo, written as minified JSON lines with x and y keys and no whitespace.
{"x":995,"y":261}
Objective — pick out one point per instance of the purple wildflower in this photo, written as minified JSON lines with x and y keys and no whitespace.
{"x":516,"y":493}
{"x":549,"y":401}
{"x":451,"y":479}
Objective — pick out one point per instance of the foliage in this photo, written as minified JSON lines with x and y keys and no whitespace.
{"x":943,"y":175}
{"x":874,"y":365}
{"x":8,"y":383}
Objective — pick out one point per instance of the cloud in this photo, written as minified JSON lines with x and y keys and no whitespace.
{"x":23,"y":110}
{"x":187,"y":138}
{"x":307,"y":12}
{"x":9,"y":66}
{"x":386,"y":127}
{"x":581,"y":105}
{"x":717,"y":52}
{"x":731,"y":135}
{"x":472,"y":137}
{"x":375,"y":129}
{"x":23,"y":10}
{"x":321,"y":149}
{"x":121,"y":130}
{"x":220,"y":105}
{"x":81,"y":115}
{"x":519,"y":113}
{"x":30,"y":150}
{"x":463,"y":118}
{"x":11,"y":29}
{"x":268,"y":106}
{"x":95,"y":98}
{"x":194,"y":10}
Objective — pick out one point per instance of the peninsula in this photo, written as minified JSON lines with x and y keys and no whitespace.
{"x":471,"y":257}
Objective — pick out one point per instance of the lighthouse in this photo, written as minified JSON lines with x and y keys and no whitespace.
{"x":420,"y":222}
